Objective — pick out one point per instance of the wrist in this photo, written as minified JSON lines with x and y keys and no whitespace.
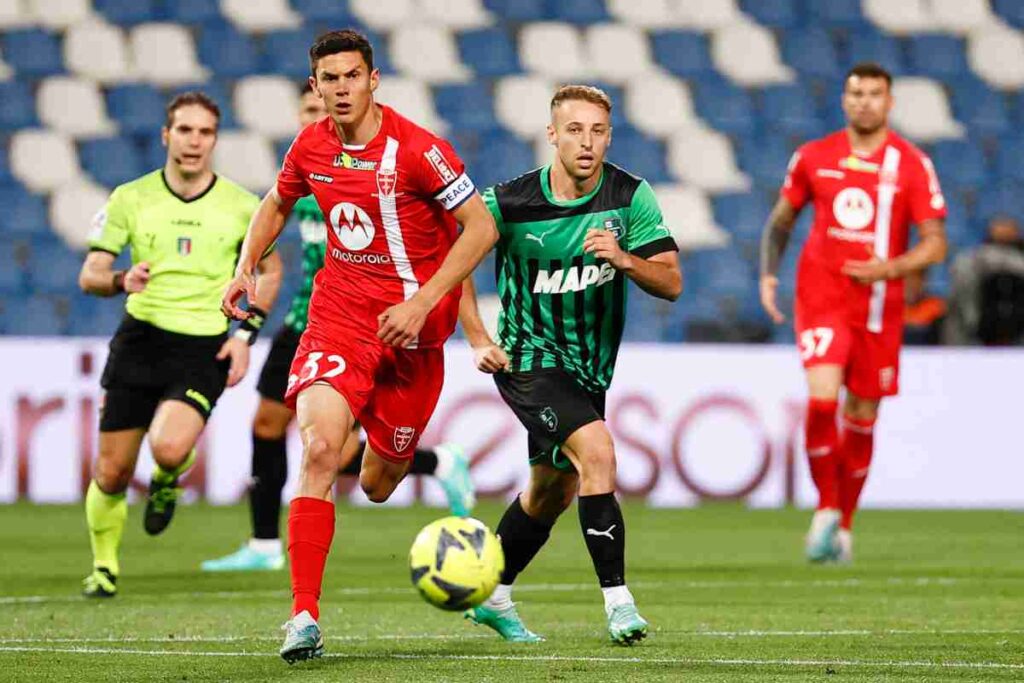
{"x":894,"y":271}
{"x":250,"y":328}
{"x":628,"y":263}
{"x":117,"y":282}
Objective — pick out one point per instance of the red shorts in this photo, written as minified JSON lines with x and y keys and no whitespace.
{"x":871,"y":361}
{"x":391,"y":391}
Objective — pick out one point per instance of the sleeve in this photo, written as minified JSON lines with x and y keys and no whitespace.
{"x":796,"y":188}
{"x":291,"y":181}
{"x":111,"y":227}
{"x":442,"y":175}
{"x":491,"y":200}
{"x":926,"y":200}
{"x":647,"y":235}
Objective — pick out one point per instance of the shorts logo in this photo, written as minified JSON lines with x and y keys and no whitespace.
{"x":853,"y":208}
{"x":198,"y":398}
{"x":886,"y":377}
{"x":403,"y":437}
{"x":352,"y":226}
{"x":440,"y":164}
{"x":548,"y":417}
{"x":386,"y":181}
{"x":184,"y":246}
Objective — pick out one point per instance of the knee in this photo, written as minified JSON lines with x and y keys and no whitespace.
{"x":548,"y":500}
{"x":598,"y":462}
{"x":269,"y":427}
{"x":322,"y":455}
{"x":861,"y":409}
{"x":111,"y":476}
{"x":377,"y":486}
{"x":170,"y":450}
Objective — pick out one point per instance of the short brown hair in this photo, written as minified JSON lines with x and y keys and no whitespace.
{"x":587,"y":93}
{"x":191,"y":97}
{"x":333,"y":42}
{"x":868,"y":70}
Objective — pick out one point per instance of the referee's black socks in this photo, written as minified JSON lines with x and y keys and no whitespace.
{"x":605,"y":534}
{"x":269,"y":473}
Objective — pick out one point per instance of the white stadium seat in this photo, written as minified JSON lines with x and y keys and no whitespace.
{"x":97,"y":50}
{"x":962,"y":16}
{"x":747,"y":53}
{"x":74,"y":106}
{"x":384,"y":15}
{"x":705,"y":160}
{"x":660,"y":105}
{"x":72,"y":209}
{"x":43,"y":160}
{"x":428,"y":53}
{"x":412,"y":99}
{"x":59,"y":14}
{"x":688,"y":214}
{"x":706,"y":15}
{"x":15,"y":14}
{"x":902,"y":16}
{"x":921,"y":110}
{"x":996,"y":54}
{"x":266,"y":104}
{"x":521,"y":104}
{"x":618,"y":53}
{"x":553,"y":49}
{"x":458,"y":15}
{"x":261,"y":15}
{"x":246,"y":158}
{"x":165,"y":54}
{"x":651,"y":14}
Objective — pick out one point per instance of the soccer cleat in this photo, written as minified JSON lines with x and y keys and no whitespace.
{"x":821,"y":537}
{"x":302,"y":639}
{"x":625,"y":625}
{"x":160,"y":504}
{"x":842,"y":549}
{"x":506,"y":622}
{"x":100,"y":584}
{"x":245,"y":559}
{"x":457,"y":484}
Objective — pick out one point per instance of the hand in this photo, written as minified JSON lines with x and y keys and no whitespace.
{"x":137,"y":277}
{"x":243,"y":284}
{"x":769,"y":287}
{"x":603,"y":245}
{"x":400,"y":324}
{"x":238,"y":351}
{"x":871,"y":270}
{"x":490,"y":358}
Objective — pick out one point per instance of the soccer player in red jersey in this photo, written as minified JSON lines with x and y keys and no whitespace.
{"x":383,"y":305}
{"x":868,"y":185}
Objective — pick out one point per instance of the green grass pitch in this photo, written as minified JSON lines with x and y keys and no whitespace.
{"x":933,"y":596}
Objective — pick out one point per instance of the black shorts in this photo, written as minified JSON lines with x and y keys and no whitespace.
{"x":552,"y":405}
{"x":274,"y":376}
{"x":148,"y":365}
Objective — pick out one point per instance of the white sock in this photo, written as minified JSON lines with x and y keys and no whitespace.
{"x":265,"y":546}
{"x":501,"y":598}
{"x":445,"y":461}
{"x":615,"y":596}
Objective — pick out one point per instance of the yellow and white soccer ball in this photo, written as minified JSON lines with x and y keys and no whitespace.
{"x":456,"y":562}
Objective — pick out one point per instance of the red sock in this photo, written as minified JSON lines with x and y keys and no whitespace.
{"x":855,"y":450}
{"x":821,"y":439}
{"x":310,"y":531}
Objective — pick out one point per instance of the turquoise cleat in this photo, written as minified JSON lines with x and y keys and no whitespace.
{"x":625,"y":625}
{"x":506,"y":622}
{"x":245,"y":559}
{"x":821,"y":537}
{"x":457,"y":484}
{"x":302,"y":639}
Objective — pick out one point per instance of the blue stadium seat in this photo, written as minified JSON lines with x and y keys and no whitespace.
{"x":55,"y":270}
{"x":682,"y":53}
{"x":24,"y":213}
{"x":334,"y":11}
{"x":845,"y":14}
{"x":1010,"y":10}
{"x":489,"y":52}
{"x":518,"y":10}
{"x":5,"y":168}
{"x":13,"y":276}
{"x":287,"y":53}
{"x":791,"y":110}
{"x":577,"y":11}
{"x":960,"y":165}
{"x":645,"y":320}
{"x":812,"y":52}
{"x":281,"y":148}
{"x":33,"y":52}
{"x":467,"y":105}
{"x":17,"y":106}
{"x":138,"y":109}
{"x":128,"y":12}
{"x":870,"y":45}
{"x":959,"y":229}
{"x":1009,"y":162}
{"x":1000,"y":198}
{"x":983,"y":110}
{"x":773,"y":13}
{"x":227,"y":51}
{"x":725,"y":106}
{"x":111,"y":161}
{"x":639,"y":154}
{"x":192,"y":11}
{"x":484,"y":276}
{"x":937,"y":56}
{"x":502,"y":156}
{"x":742,"y":214}
{"x":33,"y":316}
{"x":765,"y":159}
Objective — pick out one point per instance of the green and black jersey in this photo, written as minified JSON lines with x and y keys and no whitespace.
{"x":560,"y":307}
{"x":314,"y":246}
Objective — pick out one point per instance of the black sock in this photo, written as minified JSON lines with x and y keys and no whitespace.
{"x":269,"y":472}
{"x":355,"y":464}
{"x":424,"y":461}
{"x":605,"y":534}
{"x":522,"y":537}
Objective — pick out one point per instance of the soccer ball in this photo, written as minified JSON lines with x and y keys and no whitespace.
{"x":456,"y":562}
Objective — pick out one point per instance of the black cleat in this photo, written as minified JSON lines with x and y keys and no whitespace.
{"x":160,"y":504}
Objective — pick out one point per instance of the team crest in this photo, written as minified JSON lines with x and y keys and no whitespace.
{"x":548,"y":417}
{"x":403,"y":437}
{"x":184,"y":246}
{"x":386,"y":181}
{"x":615,"y":226}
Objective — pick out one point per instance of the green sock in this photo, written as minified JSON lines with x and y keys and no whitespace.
{"x":162,"y":476}
{"x":106,"y":515}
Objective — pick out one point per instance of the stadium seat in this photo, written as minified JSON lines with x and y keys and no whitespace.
{"x":16,"y":14}
{"x":747,"y":54}
{"x":13,"y":276}
{"x":921,"y":110}
{"x":554,"y":50}
{"x":791,"y":110}
{"x":1008,"y":164}
{"x":742,"y":215}
{"x":335,"y":11}
{"x":687,"y":213}
{"x":937,"y":56}
{"x":229,"y":52}
{"x":17,"y":106}
{"x":683,"y":53}
{"x":466,"y":106}
{"x":43,"y":160}
{"x":766,"y":159}
{"x":836,"y":14}
{"x":246,"y":158}
{"x":412,"y":99}
{"x":649,"y":14}
{"x":56,"y":15}
{"x":577,"y":11}
{"x":521,"y":104}
{"x":903,"y":17}
{"x":193,"y":12}
{"x":727,"y":108}
{"x":286,"y":53}
{"x":501,"y":158}
{"x":997,"y":55}
{"x":88,"y":116}
{"x":811,"y":52}
{"x":489,"y":52}
{"x":33,"y":52}
{"x":705,"y":160}
{"x":782,"y":14}
{"x":110,"y":161}
{"x":1002,"y":198}
{"x":165,"y":55}
{"x":871,"y":45}
{"x":266,"y":105}
{"x":258,"y":17}
{"x":639,"y":154}
{"x":457,"y":15}
{"x":383,"y":16}
{"x":97,"y":50}
{"x":127,"y":12}
{"x":73,"y":209}
{"x":707,"y":15}
{"x":962,"y":16}
{"x":1011,"y":11}
{"x":629,"y":61}
{"x":6,"y":177}
{"x":138,"y":109}
{"x":660,"y":105}
{"x":981,"y":109}
{"x":959,"y":164}
{"x":55,"y":270}
{"x":24,"y":213}
{"x":34,"y":316}
{"x":427,"y":53}
{"x":518,"y":10}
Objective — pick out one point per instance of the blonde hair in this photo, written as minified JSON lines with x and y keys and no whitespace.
{"x":587,"y":93}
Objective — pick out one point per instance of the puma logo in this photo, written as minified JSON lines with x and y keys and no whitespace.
{"x":539,"y":239}
{"x":607,"y":532}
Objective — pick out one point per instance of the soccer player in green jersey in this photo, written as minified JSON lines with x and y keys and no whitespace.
{"x":263,"y":551}
{"x":171,"y":357}
{"x":571,"y":234}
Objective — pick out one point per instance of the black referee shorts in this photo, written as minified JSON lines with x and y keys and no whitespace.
{"x":274,"y":376}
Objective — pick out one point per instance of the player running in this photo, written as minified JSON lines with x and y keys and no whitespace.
{"x":382,"y":306}
{"x":868,"y":185}
{"x":572,"y":234}
{"x":171,"y":358}
{"x":447,"y":462}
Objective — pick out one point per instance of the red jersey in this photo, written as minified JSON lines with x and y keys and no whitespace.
{"x":861,"y":204}
{"x":388,"y":207}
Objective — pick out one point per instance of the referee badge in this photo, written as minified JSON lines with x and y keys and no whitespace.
{"x":184,"y":246}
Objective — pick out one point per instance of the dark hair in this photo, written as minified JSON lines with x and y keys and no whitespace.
{"x":191,"y":97}
{"x":304,"y":88}
{"x":868,"y":70}
{"x":587,"y":93}
{"x":333,"y":42}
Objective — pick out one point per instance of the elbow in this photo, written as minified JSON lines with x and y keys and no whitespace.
{"x":675,"y":290}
